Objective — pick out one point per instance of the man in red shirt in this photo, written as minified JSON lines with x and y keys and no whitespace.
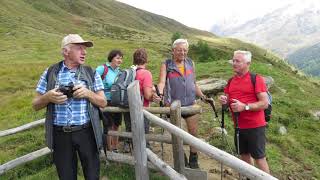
{"x":248,"y":104}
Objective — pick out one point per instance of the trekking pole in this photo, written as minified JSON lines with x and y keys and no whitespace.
{"x":162,"y":129}
{"x":223,"y":108}
{"x":211,"y":102}
{"x":236,"y":115}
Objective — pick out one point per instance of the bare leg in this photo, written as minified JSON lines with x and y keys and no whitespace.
{"x":247,"y":158}
{"x":263,"y":164}
{"x":192,"y":124}
{"x":115,"y":139}
{"x":109,"y":147}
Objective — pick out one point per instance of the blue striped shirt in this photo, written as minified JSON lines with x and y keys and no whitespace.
{"x":74,"y":111}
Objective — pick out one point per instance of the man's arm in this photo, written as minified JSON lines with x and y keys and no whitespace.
{"x":162,"y":78}
{"x":42,"y":100}
{"x":198,"y":91}
{"x":261,"y":104}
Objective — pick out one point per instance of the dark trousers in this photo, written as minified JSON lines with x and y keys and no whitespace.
{"x":127,"y":121}
{"x":66,"y":147}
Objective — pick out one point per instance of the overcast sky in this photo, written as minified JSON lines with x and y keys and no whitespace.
{"x":202,"y":14}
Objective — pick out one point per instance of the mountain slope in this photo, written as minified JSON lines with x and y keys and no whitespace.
{"x":284,"y":30}
{"x":307,"y":59}
{"x":31,"y":32}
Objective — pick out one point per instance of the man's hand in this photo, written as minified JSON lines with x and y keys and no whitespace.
{"x":156,"y":98}
{"x":223,"y":99}
{"x":80,"y":91}
{"x":56,"y":97}
{"x":237,"y":106}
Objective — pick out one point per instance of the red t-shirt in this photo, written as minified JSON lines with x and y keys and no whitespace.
{"x":241,"y":88}
{"x":145,"y":80}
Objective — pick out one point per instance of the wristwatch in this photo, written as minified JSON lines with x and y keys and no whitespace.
{"x":247,"y":107}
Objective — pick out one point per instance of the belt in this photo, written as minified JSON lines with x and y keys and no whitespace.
{"x":72,"y":128}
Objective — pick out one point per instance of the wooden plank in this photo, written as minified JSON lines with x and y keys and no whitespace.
{"x":221,"y":156}
{"x":177,"y":143}
{"x":155,"y":110}
{"x":149,"y":137}
{"x":23,"y":159}
{"x":188,"y":110}
{"x":164,"y":167}
{"x":123,"y":158}
{"x":22,"y":128}
{"x":138,"y":134}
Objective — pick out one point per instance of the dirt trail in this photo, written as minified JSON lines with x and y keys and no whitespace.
{"x":206,"y":163}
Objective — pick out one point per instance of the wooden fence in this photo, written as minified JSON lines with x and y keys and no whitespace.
{"x":140,"y":152}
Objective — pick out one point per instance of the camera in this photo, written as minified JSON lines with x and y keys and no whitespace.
{"x":67,"y":89}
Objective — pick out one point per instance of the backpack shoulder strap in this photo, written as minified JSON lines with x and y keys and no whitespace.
{"x":253,"y":77}
{"x":105,"y":71}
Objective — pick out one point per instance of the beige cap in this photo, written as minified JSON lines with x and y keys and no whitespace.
{"x":75,"y":39}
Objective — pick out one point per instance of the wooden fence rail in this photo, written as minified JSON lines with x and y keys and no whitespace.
{"x":22,"y":128}
{"x":111,"y":156}
{"x":164,"y":167}
{"x":23,"y":159}
{"x":154,"y":110}
{"x":221,"y":156}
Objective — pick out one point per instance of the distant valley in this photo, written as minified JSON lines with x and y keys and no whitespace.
{"x":288,"y":31}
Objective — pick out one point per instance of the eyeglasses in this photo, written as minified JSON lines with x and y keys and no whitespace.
{"x":181,"y":50}
{"x":236,"y":61}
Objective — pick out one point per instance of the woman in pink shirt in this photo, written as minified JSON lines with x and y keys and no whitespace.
{"x":144,"y":76}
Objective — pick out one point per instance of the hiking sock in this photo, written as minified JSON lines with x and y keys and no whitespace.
{"x":193,"y":160}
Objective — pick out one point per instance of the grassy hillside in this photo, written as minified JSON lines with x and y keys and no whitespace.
{"x":31,"y":32}
{"x":307,"y":59}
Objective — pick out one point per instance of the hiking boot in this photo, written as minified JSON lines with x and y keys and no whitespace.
{"x":193,"y":161}
{"x":126,"y":147}
{"x":115,"y":151}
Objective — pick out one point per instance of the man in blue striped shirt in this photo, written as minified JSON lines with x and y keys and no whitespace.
{"x":74,"y":97}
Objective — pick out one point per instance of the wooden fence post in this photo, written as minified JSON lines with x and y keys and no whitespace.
{"x":138,"y":134}
{"x":177,"y":143}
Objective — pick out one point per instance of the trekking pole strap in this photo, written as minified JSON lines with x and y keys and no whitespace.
{"x":213,"y":108}
{"x":223,"y":109}
{"x":158,"y":93}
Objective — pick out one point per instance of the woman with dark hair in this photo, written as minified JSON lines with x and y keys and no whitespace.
{"x":144,"y":76}
{"x":108,"y":73}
